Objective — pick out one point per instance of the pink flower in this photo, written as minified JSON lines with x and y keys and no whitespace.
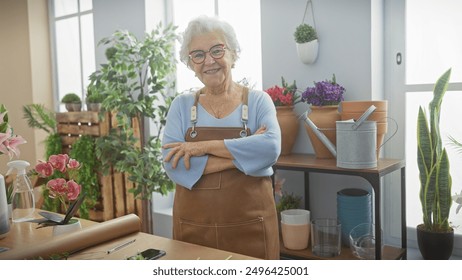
{"x":12,"y":145}
{"x":44,"y":169}
{"x":73,"y":190}
{"x":73,"y":164}
{"x":65,"y":189}
{"x":59,"y":162}
{"x":57,"y":187}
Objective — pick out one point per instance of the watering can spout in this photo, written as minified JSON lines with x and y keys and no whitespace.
{"x":323,"y":138}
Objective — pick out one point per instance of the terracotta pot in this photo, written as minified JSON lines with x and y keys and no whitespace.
{"x":288,"y":122}
{"x":363,"y":105}
{"x":324,"y":117}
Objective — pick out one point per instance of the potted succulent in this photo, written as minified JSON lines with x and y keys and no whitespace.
{"x":306,"y":39}
{"x":72,"y":101}
{"x":435,"y":236}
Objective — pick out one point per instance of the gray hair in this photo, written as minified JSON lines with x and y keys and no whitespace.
{"x":205,"y":24}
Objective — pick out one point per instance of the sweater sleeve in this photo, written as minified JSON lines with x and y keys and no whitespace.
{"x":255,"y":155}
{"x":174,"y":131}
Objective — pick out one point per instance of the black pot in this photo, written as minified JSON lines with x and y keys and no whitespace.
{"x":435,"y":245}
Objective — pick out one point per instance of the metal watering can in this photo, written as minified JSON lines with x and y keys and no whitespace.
{"x":356,"y":141}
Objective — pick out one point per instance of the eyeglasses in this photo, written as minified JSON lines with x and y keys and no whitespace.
{"x":216,"y":52}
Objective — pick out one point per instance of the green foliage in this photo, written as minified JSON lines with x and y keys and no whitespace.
{"x":305,"y":33}
{"x":84,"y":150}
{"x":71,"y":98}
{"x":433,"y":162}
{"x":135,"y":82}
{"x":288,"y":201}
{"x":38,"y":116}
{"x":95,"y":97}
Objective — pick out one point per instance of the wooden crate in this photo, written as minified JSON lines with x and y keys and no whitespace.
{"x":115,"y":200}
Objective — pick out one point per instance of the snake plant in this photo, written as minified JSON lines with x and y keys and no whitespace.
{"x":433,"y":162}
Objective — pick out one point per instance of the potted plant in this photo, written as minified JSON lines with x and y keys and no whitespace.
{"x":324,"y":98}
{"x":72,"y":101}
{"x":435,"y":236}
{"x":284,"y":98}
{"x":306,"y":39}
{"x":136,"y":81}
{"x":94,"y":99}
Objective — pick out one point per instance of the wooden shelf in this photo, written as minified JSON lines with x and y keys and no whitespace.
{"x":388,"y":253}
{"x":310,"y":164}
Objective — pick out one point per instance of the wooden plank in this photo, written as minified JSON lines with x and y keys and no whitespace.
{"x":67,"y":140}
{"x":75,"y":129}
{"x":76,"y":117}
{"x":105,"y":125}
{"x":107,"y":197}
{"x":129,"y":197}
{"x":119,"y":194}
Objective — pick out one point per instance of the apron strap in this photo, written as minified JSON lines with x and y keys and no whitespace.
{"x":244,"y":113}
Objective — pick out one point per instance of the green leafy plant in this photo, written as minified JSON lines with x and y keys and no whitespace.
{"x":305,"y":33}
{"x":136,"y":81}
{"x":71,"y":98}
{"x":83,"y":150}
{"x":288,"y":201}
{"x":95,"y":97}
{"x":433,"y":163}
{"x":9,"y":193}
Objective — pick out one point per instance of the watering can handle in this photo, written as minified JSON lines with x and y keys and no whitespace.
{"x":364,"y":117}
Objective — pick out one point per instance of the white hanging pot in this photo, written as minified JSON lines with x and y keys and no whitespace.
{"x":308,"y":52}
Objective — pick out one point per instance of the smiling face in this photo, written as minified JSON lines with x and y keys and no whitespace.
{"x":212,"y":72}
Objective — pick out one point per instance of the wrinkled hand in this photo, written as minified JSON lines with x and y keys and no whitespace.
{"x":261,"y":130}
{"x":185,"y":150}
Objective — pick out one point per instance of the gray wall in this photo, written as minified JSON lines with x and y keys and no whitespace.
{"x":350,"y":45}
{"x":111,"y":15}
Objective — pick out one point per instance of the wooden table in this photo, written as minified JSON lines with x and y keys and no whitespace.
{"x":24,"y":235}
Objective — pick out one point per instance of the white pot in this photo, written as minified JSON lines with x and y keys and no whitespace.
{"x":72,"y":226}
{"x":308,"y":52}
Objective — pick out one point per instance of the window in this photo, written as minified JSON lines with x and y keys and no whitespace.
{"x":431,"y":49}
{"x":73,"y":48}
{"x":248,"y":34}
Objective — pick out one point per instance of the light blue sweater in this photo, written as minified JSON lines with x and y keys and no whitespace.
{"x":253,"y":155}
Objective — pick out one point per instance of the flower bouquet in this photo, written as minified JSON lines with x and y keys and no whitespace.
{"x":324,"y":93}
{"x":285,"y":95}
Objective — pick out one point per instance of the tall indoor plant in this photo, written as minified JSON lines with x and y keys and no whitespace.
{"x":435,"y":236}
{"x":137,"y":84}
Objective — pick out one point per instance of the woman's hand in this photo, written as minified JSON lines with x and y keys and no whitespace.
{"x":185,"y":150}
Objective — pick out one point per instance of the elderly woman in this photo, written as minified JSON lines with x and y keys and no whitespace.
{"x":219,"y":147}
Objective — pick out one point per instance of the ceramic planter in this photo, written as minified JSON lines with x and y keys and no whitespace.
{"x":308,"y":52}
{"x":435,"y":245}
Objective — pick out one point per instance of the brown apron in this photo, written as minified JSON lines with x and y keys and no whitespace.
{"x":227,"y":210}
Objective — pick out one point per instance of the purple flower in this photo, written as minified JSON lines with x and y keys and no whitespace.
{"x":324,"y":93}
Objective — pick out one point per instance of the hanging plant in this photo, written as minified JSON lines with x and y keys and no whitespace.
{"x":306,"y":39}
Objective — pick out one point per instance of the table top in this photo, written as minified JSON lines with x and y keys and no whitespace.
{"x":309,"y":161}
{"x":25,"y":236}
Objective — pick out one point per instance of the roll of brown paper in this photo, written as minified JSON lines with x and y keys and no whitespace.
{"x":79,"y":240}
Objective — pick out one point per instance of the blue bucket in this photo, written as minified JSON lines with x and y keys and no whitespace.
{"x":354,"y":207}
